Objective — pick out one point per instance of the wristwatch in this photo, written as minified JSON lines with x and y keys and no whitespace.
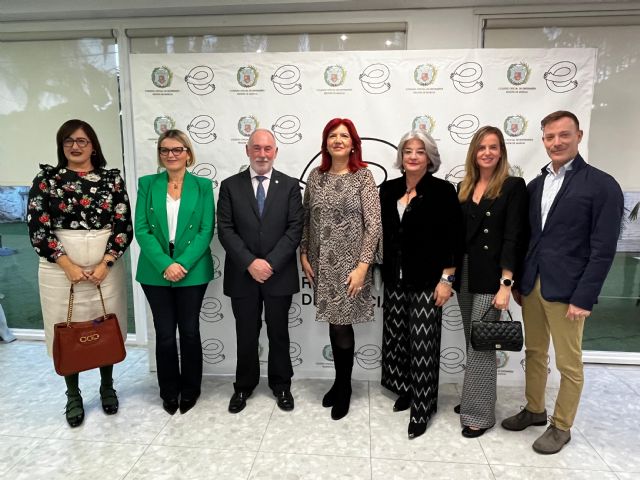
{"x":109,"y":263}
{"x":448,"y":279}
{"x":507,"y":282}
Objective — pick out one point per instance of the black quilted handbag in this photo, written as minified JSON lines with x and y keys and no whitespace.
{"x":500,"y":335}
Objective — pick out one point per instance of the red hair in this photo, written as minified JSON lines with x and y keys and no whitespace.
{"x":355,"y":156}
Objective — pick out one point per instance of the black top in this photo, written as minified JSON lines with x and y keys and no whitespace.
{"x":64,"y":199}
{"x":429,"y":237}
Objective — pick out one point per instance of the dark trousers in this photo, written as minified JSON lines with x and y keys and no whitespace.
{"x":248,"y":314}
{"x":177,"y":307}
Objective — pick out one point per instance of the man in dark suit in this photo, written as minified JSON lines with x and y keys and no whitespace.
{"x":574,"y":215}
{"x":260,"y":225}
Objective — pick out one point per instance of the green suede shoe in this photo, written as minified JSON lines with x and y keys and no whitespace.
{"x":109,"y":399}
{"x":74,"y":410}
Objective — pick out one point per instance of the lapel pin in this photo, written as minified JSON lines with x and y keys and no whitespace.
{"x":276,"y":181}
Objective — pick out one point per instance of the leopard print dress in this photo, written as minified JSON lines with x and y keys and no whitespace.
{"x":342,"y":227}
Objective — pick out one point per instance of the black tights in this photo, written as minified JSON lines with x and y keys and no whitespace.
{"x":73,"y":379}
{"x":341,"y":336}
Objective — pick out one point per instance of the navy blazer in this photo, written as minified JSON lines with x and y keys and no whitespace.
{"x":496,"y":237}
{"x":573,"y":253}
{"x":246,"y":236}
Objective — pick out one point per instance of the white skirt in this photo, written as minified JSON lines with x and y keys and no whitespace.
{"x":86,"y":249}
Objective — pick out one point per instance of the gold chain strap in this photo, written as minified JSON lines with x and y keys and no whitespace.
{"x":70,"y":308}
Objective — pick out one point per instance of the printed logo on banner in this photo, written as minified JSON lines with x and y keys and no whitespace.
{"x":247,"y":76}
{"x":424,"y":122}
{"x":286,"y":80}
{"x":425,"y":74}
{"x":335,"y":75}
{"x":463,"y":127}
{"x":163,"y":123}
{"x":294,"y":353}
{"x":452,"y":318}
{"x":452,"y":360}
{"x":466,"y":77}
{"x":327,"y":353}
{"x":369,"y":356}
{"x":518,"y":73}
{"x":206,"y":170}
{"x":161,"y":77}
{"x":247,"y":124}
{"x":201,"y":129}
{"x":515,"y":125}
{"x":212,"y":349}
{"x":523,"y":364}
{"x":516,"y":171}
{"x":502,"y":358}
{"x":560,"y":77}
{"x":374,"y":78}
{"x":295,"y":317}
{"x":286,"y":129}
{"x":217,"y":273}
{"x":200,"y":80}
{"x":455,"y":175}
{"x":211,"y":310}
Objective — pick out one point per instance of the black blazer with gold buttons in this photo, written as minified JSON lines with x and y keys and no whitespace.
{"x":496,"y":236}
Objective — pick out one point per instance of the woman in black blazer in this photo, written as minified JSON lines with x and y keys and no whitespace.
{"x":495,"y":219}
{"x":422,"y":233}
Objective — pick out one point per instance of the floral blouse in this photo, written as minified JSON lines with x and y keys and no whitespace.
{"x":61,"y":198}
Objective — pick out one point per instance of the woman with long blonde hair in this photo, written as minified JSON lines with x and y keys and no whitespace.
{"x":495,"y":207}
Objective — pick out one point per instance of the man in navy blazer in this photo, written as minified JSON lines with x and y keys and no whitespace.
{"x":575,"y":212}
{"x":260,"y":225}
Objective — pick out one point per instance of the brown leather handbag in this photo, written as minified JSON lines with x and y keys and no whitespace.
{"x":80,"y":346}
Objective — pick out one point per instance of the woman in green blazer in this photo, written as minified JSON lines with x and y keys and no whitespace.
{"x":174,"y":227}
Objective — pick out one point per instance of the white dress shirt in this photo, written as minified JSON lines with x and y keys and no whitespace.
{"x":265,"y":182}
{"x":552,"y":184}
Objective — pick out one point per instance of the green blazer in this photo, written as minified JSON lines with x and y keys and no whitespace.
{"x":193,"y":233}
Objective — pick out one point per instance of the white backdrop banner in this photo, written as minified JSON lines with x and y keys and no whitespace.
{"x":219,"y":99}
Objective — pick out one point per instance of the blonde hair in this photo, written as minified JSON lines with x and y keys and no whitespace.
{"x":181,"y":137}
{"x":472,"y":172}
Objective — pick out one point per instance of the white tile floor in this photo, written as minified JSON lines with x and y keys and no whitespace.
{"x":262,"y":442}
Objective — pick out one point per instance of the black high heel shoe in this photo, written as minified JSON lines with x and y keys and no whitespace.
{"x":402,"y":403}
{"x":469,"y":432}
{"x":74,"y":410}
{"x":187,"y":404}
{"x":416,"y":429}
{"x":170,"y":406}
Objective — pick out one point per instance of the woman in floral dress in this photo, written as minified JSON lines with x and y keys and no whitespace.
{"x":80,"y":225}
{"x":340,"y":240}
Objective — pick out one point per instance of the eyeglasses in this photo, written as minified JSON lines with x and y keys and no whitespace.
{"x":68,"y":142}
{"x":177,"y":151}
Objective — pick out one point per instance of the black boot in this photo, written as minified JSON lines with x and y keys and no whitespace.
{"x":343,"y":359}
{"x":329,"y":398}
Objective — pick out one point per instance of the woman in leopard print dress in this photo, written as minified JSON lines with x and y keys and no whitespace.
{"x":342,"y":232}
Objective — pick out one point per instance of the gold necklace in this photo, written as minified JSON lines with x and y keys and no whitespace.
{"x":176,"y":184}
